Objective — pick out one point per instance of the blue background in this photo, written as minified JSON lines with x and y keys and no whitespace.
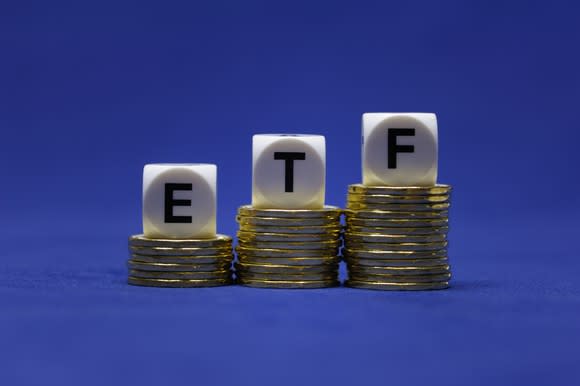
{"x":91,"y":91}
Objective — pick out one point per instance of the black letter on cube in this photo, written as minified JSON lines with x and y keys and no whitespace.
{"x":289,"y":157}
{"x":393,"y":148}
{"x":170,"y":202}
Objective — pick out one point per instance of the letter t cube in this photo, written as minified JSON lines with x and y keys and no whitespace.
{"x":289,"y":171}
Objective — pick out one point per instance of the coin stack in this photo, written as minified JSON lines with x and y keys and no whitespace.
{"x":180,"y":263}
{"x":396,"y":237}
{"x":288,"y":248}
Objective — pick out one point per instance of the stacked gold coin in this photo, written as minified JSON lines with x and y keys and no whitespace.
{"x":396,"y":237}
{"x":288,"y":248}
{"x":180,"y":263}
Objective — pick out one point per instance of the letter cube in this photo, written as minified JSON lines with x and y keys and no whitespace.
{"x":179,"y":201}
{"x":399,"y":149}
{"x":289,"y":171}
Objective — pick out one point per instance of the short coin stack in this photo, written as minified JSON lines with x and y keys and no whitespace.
{"x":396,"y":237}
{"x":280,"y":248}
{"x":180,"y":263}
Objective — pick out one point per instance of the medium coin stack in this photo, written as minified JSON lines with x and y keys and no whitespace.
{"x":396,"y":237}
{"x":280,"y":248}
{"x":180,"y":263}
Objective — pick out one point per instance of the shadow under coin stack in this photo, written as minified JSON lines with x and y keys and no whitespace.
{"x":179,"y":246}
{"x":180,"y":263}
{"x":396,"y":238}
{"x":288,"y":248}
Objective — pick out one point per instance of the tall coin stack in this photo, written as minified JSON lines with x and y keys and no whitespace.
{"x":397,"y":219}
{"x":396,"y":237}
{"x":180,"y":263}
{"x":287,"y":237}
{"x":288,"y":248}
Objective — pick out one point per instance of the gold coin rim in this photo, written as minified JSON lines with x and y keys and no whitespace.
{"x":398,"y":270}
{"x":292,"y":230}
{"x":290,"y":222}
{"x":396,"y":286}
{"x":379,"y":253}
{"x":168,"y":251}
{"x":178,"y":283}
{"x":403,"y":246}
{"x":191,"y":260}
{"x":283,"y":253}
{"x":385,"y":199}
{"x":245,"y":275}
{"x":294,"y":261}
{"x":425,"y":278}
{"x":279,"y":284}
{"x":308,"y":245}
{"x":398,"y":262}
{"x":397,"y":210}
{"x":175,"y":267}
{"x":326,"y":211}
{"x":283,"y":237}
{"x":348,"y":233}
{"x":180,"y":275}
{"x":140,"y":240}
{"x":285,"y":268}
{"x":403,"y":190}
{"x":421,"y":231}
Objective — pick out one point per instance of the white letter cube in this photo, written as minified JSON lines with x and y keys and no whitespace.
{"x":179,"y":201}
{"x":399,"y":149}
{"x":289,"y":171}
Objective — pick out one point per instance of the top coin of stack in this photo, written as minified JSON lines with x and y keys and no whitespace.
{"x":287,"y":237}
{"x":179,"y":247}
{"x":397,"y":220}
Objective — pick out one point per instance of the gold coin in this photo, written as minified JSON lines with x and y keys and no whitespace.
{"x":358,"y":206}
{"x":216,"y":259}
{"x":295,"y":261}
{"x":326,"y":212}
{"x":283,"y":237}
{"x":287,"y":284}
{"x":391,"y":214}
{"x":388,"y":278}
{"x":397,"y":223}
{"x":178,"y":283}
{"x":395,"y":199}
{"x":398,"y":231}
{"x":398,"y":263}
{"x":167,"y":251}
{"x":401,"y":190}
{"x":222,"y":241}
{"x":205,"y":275}
{"x":388,"y":208}
{"x":399,"y":271}
{"x":384,"y":238}
{"x":245,"y":275}
{"x":396,"y":286}
{"x":353,"y":244}
{"x":397,"y":255}
{"x":287,"y":222}
{"x":294,"y":230}
{"x":285,"y":269}
{"x":318,"y":246}
{"x":281,"y":252}
{"x":177,"y":267}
